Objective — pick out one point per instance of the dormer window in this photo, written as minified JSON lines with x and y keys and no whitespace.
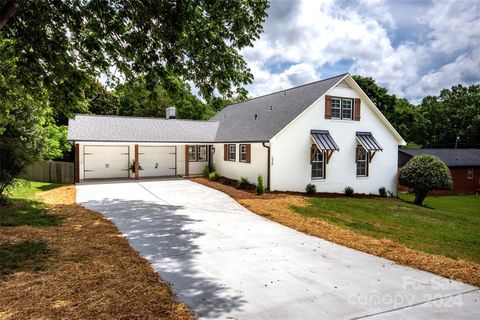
{"x":342,"y":108}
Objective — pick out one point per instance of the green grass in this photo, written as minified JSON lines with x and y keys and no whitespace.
{"x":25,"y":256}
{"x":449,"y":226}
{"x":25,"y":209}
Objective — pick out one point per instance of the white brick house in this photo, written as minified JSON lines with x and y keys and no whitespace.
{"x":328,"y":133}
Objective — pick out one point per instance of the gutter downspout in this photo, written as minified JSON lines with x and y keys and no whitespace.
{"x":268,"y":164}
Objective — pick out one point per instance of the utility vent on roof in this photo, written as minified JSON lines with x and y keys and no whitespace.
{"x":170,"y":113}
{"x":271,"y":108}
{"x":285,"y":93}
{"x":256,"y":117}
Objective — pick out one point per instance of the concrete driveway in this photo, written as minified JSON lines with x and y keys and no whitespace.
{"x":228,"y":263}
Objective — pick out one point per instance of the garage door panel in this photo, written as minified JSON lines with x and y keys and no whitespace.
{"x":156,"y":161}
{"x":102,"y":162}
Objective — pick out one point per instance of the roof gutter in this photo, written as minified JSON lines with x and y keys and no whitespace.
{"x":268,"y":164}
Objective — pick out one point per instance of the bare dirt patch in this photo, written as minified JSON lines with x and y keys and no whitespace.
{"x":92,"y":272}
{"x":277,"y":207}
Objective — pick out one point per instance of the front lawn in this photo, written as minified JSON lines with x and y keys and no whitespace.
{"x":25,"y":209}
{"x":26,"y":256}
{"x":450,"y":226}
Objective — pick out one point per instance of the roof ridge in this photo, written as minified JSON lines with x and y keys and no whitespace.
{"x":291,"y":88}
{"x":135,"y":117}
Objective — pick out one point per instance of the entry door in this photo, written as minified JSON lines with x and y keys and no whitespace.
{"x":156,"y":161}
{"x":102,"y":162}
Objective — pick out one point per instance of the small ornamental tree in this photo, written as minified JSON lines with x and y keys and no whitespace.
{"x":424,"y":173}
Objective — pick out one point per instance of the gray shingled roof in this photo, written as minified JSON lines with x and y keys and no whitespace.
{"x":135,"y":129}
{"x":451,"y":157}
{"x":261,"y":118}
{"x":258,"y":119}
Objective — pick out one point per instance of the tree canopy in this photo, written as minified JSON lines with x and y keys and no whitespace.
{"x":66,"y":43}
{"x":437,"y":121}
{"x":53,"y":53}
{"x":23,"y":111}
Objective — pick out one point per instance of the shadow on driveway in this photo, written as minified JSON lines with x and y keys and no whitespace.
{"x":160,"y":234}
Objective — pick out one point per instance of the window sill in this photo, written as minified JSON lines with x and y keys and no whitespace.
{"x":317,"y":179}
{"x":362,"y":177}
{"x":342,"y":120}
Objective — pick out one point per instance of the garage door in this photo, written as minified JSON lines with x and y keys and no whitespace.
{"x":105,"y":162}
{"x":156,"y":161}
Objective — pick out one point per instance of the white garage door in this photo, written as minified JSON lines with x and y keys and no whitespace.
{"x":105,"y":162}
{"x":156,"y":161}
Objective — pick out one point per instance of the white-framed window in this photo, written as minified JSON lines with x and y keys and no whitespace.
{"x":202,"y":153}
{"x":192,"y":153}
{"x":336,"y":108}
{"x":362,"y":162}
{"x":243,"y":153}
{"x":347,"y":107}
{"x":197,"y":153}
{"x":470,"y":174}
{"x":318,"y":164}
{"x":231,"y":152}
{"x":342,"y":108}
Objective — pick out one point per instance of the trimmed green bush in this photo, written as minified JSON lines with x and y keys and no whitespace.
{"x":213,"y":176}
{"x":311,"y":189}
{"x":348,"y":191}
{"x":260,"y":186}
{"x":424,"y":173}
{"x":207,"y":169}
{"x":382,"y":191}
{"x":243,"y":183}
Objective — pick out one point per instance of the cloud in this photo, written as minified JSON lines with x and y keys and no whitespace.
{"x":304,"y":40}
{"x":463,"y":70}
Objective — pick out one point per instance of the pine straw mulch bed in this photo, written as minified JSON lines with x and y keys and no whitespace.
{"x":92,"y":272}
{"x":277,"y":207}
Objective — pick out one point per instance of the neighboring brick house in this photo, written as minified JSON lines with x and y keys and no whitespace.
{"x":464,"y":164}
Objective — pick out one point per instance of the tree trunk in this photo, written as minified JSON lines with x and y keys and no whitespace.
{"x":8,"y":11}
{"x":420,"y":195}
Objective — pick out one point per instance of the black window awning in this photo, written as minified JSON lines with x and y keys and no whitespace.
{"x":367,"y":141}
{"x":324,"y":140}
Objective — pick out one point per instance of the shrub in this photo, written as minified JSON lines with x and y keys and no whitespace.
{"x":132,"y":166}
{"x":348,"y":191}
{"x":206,"y":171}
{"x":213,"y":176}
{"x":243,"y":183}
{"x":382,"y":191}
{"x":311,"y":189}
{"x":424,"y":173}
{"x":260,"y":186}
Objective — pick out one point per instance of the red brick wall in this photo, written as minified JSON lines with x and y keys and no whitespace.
{"x":461,"y":184}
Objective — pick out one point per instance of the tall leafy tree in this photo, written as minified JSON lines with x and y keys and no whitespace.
{"x":23,"y":114}
{"x":379,"y":96}
{"x":64,"y":43}
{"x":141,"y":97}
{"x":57,"y":47}
{"x":100,"y":100}
{"x":400,"y":112}
{"x":454,"y":114}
